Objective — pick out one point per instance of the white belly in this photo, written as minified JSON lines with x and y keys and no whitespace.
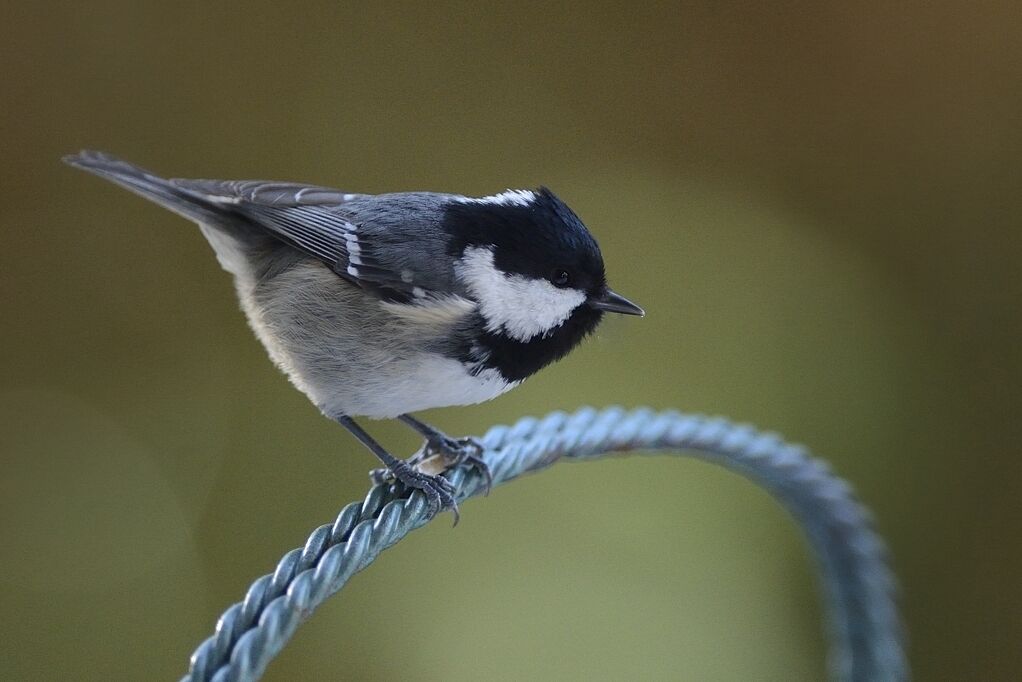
{"x":410,"y":386}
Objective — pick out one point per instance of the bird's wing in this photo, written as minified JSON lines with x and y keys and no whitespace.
{"x":267,"y":192}
{"x":329,"y":225}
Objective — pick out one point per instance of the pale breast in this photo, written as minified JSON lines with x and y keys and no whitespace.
{"x":354,"y":355}
{"x":412,"y":385}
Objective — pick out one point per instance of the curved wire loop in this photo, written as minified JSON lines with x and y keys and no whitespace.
{"x":859,"y":587}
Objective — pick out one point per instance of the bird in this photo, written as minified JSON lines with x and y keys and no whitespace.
{"x":382,"y":305}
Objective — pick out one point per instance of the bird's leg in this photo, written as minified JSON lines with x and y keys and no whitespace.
{"x":439,"y":492}
{"x":452,"y":451}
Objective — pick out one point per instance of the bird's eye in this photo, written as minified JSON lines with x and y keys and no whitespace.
{"x":560,"y":278}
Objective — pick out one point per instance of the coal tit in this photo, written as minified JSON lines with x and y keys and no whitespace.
{"x":382,"y":305}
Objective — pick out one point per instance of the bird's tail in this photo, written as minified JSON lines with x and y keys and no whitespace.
{"x":159,"y":190}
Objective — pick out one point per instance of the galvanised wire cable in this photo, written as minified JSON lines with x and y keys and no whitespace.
{"x":867,"y":640}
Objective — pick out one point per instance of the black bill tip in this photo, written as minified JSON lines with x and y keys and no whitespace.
{"x":611,"y":302}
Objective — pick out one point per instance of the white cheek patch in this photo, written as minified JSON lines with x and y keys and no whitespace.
{"x":523,"y":308}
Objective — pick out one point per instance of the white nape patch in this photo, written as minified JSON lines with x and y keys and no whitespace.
{"x":522,"y":307}
{"x":438,"y":312}
{"x":511,"y":197}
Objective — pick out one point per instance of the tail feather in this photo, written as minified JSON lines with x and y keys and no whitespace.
{"x":152,"y":187}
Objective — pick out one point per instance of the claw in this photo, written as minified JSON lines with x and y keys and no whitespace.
{"x":438,"y":490}
{"x":460,"y":451}
{"x":423,"y":471}
{"x":380,"y":476}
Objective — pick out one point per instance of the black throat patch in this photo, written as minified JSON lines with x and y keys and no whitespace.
{"x":518,"y":360}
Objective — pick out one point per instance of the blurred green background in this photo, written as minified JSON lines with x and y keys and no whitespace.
{"x":817,"y":204}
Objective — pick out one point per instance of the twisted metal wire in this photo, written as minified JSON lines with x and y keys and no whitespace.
{"x":860,"y":589}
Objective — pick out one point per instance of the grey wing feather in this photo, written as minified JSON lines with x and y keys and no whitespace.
{"x":389,"y":245}
{"x":320,"y":222}
{"x":267,"y":192}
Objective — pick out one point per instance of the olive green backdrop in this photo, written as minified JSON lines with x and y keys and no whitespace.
{"x":818,"y":205}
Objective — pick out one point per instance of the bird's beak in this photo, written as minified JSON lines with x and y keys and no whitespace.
{"x":615,"y":303}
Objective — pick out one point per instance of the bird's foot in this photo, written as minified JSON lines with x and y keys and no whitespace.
{"x":453,"y":452}
{"x":424,"y":470}
{"x":438,"y":490}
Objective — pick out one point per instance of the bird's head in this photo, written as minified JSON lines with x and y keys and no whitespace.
{"x":534,"y":270}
